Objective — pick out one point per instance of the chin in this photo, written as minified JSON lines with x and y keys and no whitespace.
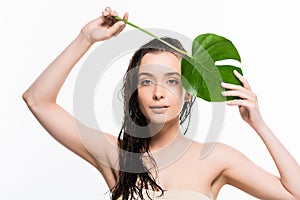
{"x":161,"y":120}
{"x":156,"y":121}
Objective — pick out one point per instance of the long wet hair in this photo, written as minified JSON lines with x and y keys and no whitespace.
{"x":134,"y":137}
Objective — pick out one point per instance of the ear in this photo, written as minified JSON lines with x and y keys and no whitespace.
{"x":187,"y":97}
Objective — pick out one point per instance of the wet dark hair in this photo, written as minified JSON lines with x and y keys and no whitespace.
{"x":134,"y":137}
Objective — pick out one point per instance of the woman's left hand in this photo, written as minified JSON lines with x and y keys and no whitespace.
{"x":248,"y":105}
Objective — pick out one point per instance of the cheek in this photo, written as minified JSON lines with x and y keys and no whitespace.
{"x":143,"y":98}
{"x":177,"y":95}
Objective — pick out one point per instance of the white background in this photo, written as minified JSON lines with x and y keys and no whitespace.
{"x":34,"y":166}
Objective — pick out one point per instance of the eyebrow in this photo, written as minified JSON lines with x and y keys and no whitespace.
{"x":166,"y":74}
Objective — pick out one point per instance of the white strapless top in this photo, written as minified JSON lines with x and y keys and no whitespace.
{"x":174,"y":195}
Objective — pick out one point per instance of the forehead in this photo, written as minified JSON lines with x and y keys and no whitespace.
{"x":160,"y":62}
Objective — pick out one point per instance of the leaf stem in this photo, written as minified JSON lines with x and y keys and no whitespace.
{"x":151,"y":34}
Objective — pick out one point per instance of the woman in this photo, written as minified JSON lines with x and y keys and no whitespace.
{"x":155,"y":104}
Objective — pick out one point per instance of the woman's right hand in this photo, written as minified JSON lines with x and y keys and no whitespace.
{"x":103,"y":27}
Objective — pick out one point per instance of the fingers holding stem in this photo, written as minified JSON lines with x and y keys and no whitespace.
{"x":108,"y":16}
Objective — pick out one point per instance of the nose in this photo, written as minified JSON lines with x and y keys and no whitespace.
{"x":158,"y":92}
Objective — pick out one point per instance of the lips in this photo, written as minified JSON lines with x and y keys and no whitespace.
{"x":159,"y":109}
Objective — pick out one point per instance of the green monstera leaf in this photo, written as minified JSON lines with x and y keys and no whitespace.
{"x":200,"y":75}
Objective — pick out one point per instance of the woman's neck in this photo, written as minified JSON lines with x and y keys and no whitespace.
{"x":163,"y":134}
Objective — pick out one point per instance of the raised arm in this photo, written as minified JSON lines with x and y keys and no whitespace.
{"x":41,"y":96}
{"x":244,"y":174}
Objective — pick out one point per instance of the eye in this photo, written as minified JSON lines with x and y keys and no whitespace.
{"x":173,"y":82}
{"x":145,"y":82}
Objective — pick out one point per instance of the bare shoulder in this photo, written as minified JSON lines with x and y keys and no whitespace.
{"x":230,"y":160}
{"x":219,"y":149}
{"x":214,"y":149}
{"x":213,"y":158}
{"x":218,"y":157}
{"x":217,"y":154}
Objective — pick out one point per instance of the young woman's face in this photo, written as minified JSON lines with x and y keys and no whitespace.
{"x":160,"y":93}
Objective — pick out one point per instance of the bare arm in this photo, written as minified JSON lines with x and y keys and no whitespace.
{"x":41,"y":96}
{"x":247,"y":176}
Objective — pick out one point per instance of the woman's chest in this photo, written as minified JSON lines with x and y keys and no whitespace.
{"x":188,"y":173}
